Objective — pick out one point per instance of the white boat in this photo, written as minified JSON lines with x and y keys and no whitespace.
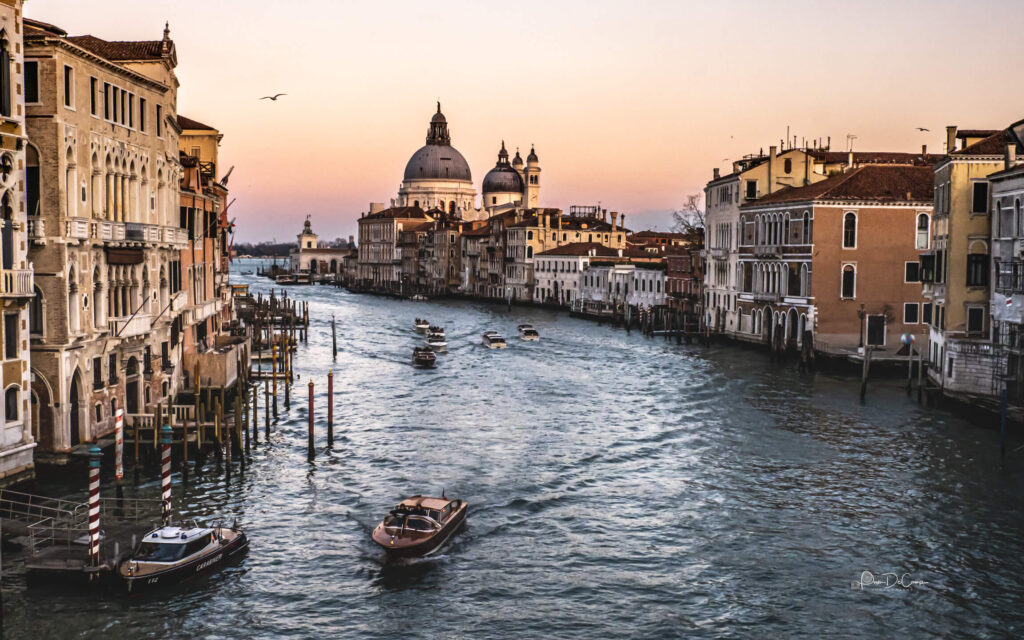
{"x":171,"y":554}
{"x":527,"y":332}
{"x":419,"y":298}
{"x":421,"y":325}
{"x":494,"y":340}
{"x":436,"y":341}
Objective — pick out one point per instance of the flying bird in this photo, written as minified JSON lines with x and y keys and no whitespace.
{"x":923,"y":129}
{"x":273,"y":97}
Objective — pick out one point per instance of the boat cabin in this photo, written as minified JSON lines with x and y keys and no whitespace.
{"x":171,"y":544}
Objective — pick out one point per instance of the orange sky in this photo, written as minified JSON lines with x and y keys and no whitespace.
{"x":629,"y":104}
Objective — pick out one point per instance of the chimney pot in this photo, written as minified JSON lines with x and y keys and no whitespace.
{"x":924,"y":149}
{"x":717,"y":176}
{"x":771,"y":151}
{"x":950,"y":139}
{"x":1011,"y":155}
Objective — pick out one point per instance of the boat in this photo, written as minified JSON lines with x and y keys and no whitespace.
{"x":302,"y":278}
{"x":436,"y":340}
{"x":419,"y":297}
{"x":494,"y":340}
{"x":247,"y":273}
{"x":421,"y":325}
{"x":527,"y":332}
{"x":420,"y":525}
{"x":423,"y":357}
{"x":285,"y":278}
{"x":171,"y":554}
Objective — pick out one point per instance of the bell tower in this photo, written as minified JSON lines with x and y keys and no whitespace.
{"x":308,"y":239}
{"x":531,"y":181}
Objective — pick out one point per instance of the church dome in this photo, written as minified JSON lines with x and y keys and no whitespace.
{"x":503,"y":178}
{"x":437,"y":162}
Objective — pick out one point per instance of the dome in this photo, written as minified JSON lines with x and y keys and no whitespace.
{"x":437,"y":162}
{"x":533,"y":156}
{"x":503,"y":179}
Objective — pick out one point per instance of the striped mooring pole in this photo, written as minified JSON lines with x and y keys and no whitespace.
{"x":95,"y":454}
{"x":165,"y":473}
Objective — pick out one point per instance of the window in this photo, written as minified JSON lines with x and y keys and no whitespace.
{"x":124,"y":109}
{"x":31,"y":81}
{"x":751,"y":189}
{"x":99,"y":412}
{"x":910,"y":312}
{"x":92,"y":95}
{"x":5,"y":80}
{"x":979,"y":199}
{"x":912,"y":272}
{"x":975,"y":319}
{"x":106,"y":101}
{"x":97,"y":373}
{"x":131,"y":110}
{"x":977,"y":270}
{"x":11,"y":403}
{"x":10,"y":336}
{"x":787,"y":166}
{"x":142,"y":119}
{"x":850,"y":230}
{"x":849,"y":281}
{"x":35,"y":313}
{"x":113,"y":369}
{"x":926,"y":313}
{"x":159,"y":124}
{"x":923,"y":224}
{"x":69,"y":86}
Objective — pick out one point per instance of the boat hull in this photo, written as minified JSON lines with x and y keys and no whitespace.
{"x":426,"y":546}
{"x":179,"y":573}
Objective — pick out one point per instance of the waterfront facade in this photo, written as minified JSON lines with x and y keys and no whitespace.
{"x":22,"y":312}
{"x":311,"y":256}
{"x":558,"y":271}
{"x":836,"y":261}
{"x":104,"y":155}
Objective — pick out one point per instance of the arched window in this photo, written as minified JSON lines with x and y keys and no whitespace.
{"x":529,"y":251}
{"x":849,"y":281}
{"x":7,"y":233}
{"x":787,"y":166}
{"x":529,"y":235}
{"x":850,"y":230}
{"x":11,"y":403}
{"x":923,"y":226}
{"x":5,"y":75}
{"x":451,"y":207}
{"x":35,"y":313}
{"x":806,"y":230}
{"x":99,"y":412}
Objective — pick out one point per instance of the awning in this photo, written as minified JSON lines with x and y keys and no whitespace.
{"x":124,"y":256}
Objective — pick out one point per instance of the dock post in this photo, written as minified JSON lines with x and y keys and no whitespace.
{"x":286,"y":362}
{"x":266,"y":407}
{"x":311,"y":453}
{"x":165,"y":475}
{"x":95,"y":455}
{"x":255,"y":414}
{"x":910,"y":368}
{"x":273,"y":361}
{"x":864,"y":373}
{"x":330,"y":408}
{"x":334,"y":338}
{"x":119,"y":456}
{"x":242,"y":421}
{"x":920,"y":375}
{"x":1002,"y":420}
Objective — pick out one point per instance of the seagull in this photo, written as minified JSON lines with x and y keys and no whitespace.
{"x":923,"y":129}
{"x":273,"y":97}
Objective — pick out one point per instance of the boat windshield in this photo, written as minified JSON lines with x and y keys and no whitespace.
{"x":160,"y":552}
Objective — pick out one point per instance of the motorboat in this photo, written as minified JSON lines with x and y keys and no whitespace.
{"x":285,"y":278}
{"x":419,"y":298}
{"x":302,"y":278}
{"x":423,"y":357}
{"x":171,"y":554}
{"x":436,"y":341}
{"x":494,"y":340}
{"x":527,"y":332}
{"x":421,"y":325}
{"x":420,"y":525}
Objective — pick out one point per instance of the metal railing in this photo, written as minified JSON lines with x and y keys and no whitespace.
{"x":1010,"y":276}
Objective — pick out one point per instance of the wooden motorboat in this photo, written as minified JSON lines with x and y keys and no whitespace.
{"x":527,"y":332}
{"x":494,"y":340}
{"x":420,"y":525}
{"x":421,"y":325}
{"x":171,"y":554}
{"x":423,"y":357}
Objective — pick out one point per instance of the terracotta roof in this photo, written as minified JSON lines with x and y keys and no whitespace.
{"x":880,"y":183}
{"x":417,"y":225}
{"x":657,"y":234}
{"x":38,"y":27}
{"x":581,"y":249}
{"x":994,"y":145}
{"x":189,"y":123}
{"x":123,"y":50}
{"x":398,"y":212}
{"x":480,"y":232}
{"x":976,"y":133}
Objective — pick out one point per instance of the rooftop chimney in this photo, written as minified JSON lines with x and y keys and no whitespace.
{"x":950,"y":139}
{"x":376,"y":206}
{"x":1011,"y":155}
{"x":620,"y":253}
{"x":849,"y":160}
{"x":615,"y":215}
{"x":924,"y":149}
{"x":717,"y":175}
{"x":623,"y":221}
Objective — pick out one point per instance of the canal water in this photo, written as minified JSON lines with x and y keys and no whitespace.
{"x":619,"y":486}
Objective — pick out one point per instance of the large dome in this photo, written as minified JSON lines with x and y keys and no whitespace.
{"x":503,"y":179}
{"x":437,"y":162}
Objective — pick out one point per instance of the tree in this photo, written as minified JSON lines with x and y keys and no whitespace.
{"x":689,"y":219}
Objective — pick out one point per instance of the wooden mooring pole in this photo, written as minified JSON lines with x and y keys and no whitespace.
{"x":311,"y":450}
{"x":95,"y":455}
{"x":330,"y":408}
{"x":864,"y":373}
{"x":334,"y":338}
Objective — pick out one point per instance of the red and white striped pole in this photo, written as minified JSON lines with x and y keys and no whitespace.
{"x":165,"y":473}
{"x":95,"y":454}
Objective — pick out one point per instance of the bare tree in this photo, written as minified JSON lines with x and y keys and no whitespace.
{"x":690,"y":218}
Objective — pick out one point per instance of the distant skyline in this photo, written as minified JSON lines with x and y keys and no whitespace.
{"x":630,"y":104}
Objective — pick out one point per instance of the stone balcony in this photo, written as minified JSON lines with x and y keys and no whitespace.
{"x":76,"y":228}
{"x":130,"y":326}
{"x":765,"y":296}
{"x":16,"y":283}
{"x":107,"y":231}
{"x":203,"y":310}
{"x":36,"y":230}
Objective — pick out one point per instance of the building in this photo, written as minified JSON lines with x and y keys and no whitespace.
{"x":557,"y":271}
{"x":312,"y":256}
{"x":836,"y":259}
{"x":103,"y":177}
{"x":684,"y":280}
{"x":956,"y":261}
{"x":437,"y":175}
{"x":22,"y":309}
{"x":380,"y":260}
{"x":649,"y":285}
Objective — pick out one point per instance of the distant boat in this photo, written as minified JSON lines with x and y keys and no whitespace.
{"x":527,"y":332}
{"x":436,"y":339}
{"x":494,"y":340}
{"x":419,"y":526}
{"x":423,"y":357}
{"x":419,"y":297}
{"x":421,"y":325}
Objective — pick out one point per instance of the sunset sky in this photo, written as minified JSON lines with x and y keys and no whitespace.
{"x":630,"y":104}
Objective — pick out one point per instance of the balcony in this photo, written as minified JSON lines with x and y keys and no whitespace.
{"x":173,"y":236}
{"x":130,"y":326}
{"x":203,"y":310}
{"x":77,"y":228}
{"x":107,"y":231}
{"x":36,"y":230}
{"x":16,"y":283}
{"x":719,"y":253}
{"x":765,"y":296}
